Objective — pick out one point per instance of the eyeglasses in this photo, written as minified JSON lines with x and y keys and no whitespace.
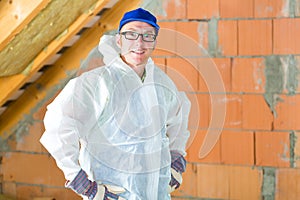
{"x":146,"y":37}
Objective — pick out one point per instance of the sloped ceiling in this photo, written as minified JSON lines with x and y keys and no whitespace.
{"x":43,"y":33}
{"x":49,"y":20}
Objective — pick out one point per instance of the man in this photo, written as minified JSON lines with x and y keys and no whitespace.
{"x":119,"y":131}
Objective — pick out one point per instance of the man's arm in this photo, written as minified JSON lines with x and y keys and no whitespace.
{"x":64,"y":123}
{"x":178,"y":134}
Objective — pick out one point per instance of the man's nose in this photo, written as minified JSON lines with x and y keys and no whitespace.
{"x":140,"y":38}
{"x":139,"y":41}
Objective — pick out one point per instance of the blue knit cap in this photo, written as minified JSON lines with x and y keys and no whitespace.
{"x":139,"y":15}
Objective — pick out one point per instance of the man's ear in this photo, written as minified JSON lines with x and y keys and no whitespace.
{"x":118,"y":40}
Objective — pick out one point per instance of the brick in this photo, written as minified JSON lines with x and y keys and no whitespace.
{"x":227,"y":37}
{"x":236,"y":9}
{"x":269,"y":9}
{"x":199,"y":110}
{"x":213,"y":181}
{"x":173,"y":10}
{"x":245,"y":183}
{"x":30,"y":141}
{"x":204,"y":105}
{"x":40,"y":113}
{"x":191,"y":35}
{"x":160,"y":62}
{"x":233,"y":111}
{"x":237,"y":147}
{"x":286,"y":36}
{"x":9,"y":188}
{"x":248,"y":75}
{"x":224,"y":69}
{"x":256,"y":113}
{"x":288,"y":113}
{"x":217,"y":111}
{"x":202,"y":83}
{"x":272,"y":149}
{"x":38,"y":168}
{"x":214,"y":75}
{"x":19,"y":142}
{"x":255,"y":37}
{"x":194,"y":150}
{"x":229,"y":182}
{"x":166,"y":39}
{"x":218,"y":116}
{"x":287,"y":184}
{"x":24,"y":192}
{"x":204,"y":9}
{"x":184,"y":71}
{"x":189,"y":179}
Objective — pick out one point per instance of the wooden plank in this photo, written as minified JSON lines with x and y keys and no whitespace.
{"x":9,"y":85}
{"x":45,"y":88}
{"x":15,"y":15}
{"x":52,"y":21}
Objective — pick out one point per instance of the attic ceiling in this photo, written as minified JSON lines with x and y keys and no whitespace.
{"x":40,"y":41}
{"x":49,"y":20}
{"x":42,"y":29}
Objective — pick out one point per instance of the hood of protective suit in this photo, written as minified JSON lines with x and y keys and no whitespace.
{"x":109,"y":49}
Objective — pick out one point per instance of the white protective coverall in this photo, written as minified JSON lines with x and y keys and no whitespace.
{"x":118,"y":129}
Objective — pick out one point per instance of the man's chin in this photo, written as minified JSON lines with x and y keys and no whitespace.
{"x":139,"y":59}
{"x":138,"y":63}
{"x":135,"y":60}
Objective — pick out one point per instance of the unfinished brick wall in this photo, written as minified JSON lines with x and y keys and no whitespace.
{"x":254,"y":46}
{"x":28,"y":170}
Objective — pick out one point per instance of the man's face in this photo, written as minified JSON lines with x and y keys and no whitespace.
{"x":135,"y":52}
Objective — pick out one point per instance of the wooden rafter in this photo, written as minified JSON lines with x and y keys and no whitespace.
{"x":15,"y":15}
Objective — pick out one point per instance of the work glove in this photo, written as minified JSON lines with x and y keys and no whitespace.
{"x":178,"y":166}
{"x":107,"y":192}
{"x":90,"y":190}
{"x":176,"y":180}
{"x":83,"y":186}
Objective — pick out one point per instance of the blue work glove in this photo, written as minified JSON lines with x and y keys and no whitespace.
{"x":178,"y":166}
{"x":107,"y":192}
{"x":92,"y":191}
{"x":83,"y":186}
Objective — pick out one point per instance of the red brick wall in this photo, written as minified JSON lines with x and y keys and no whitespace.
{"x":254,"y":46}
{"x":28,"y":170}
{"x":249,"y":62}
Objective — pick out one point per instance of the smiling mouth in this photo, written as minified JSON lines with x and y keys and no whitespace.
{"x":139,"y":52}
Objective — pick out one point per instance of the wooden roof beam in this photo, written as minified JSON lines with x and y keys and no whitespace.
{"x":15,"y":15}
